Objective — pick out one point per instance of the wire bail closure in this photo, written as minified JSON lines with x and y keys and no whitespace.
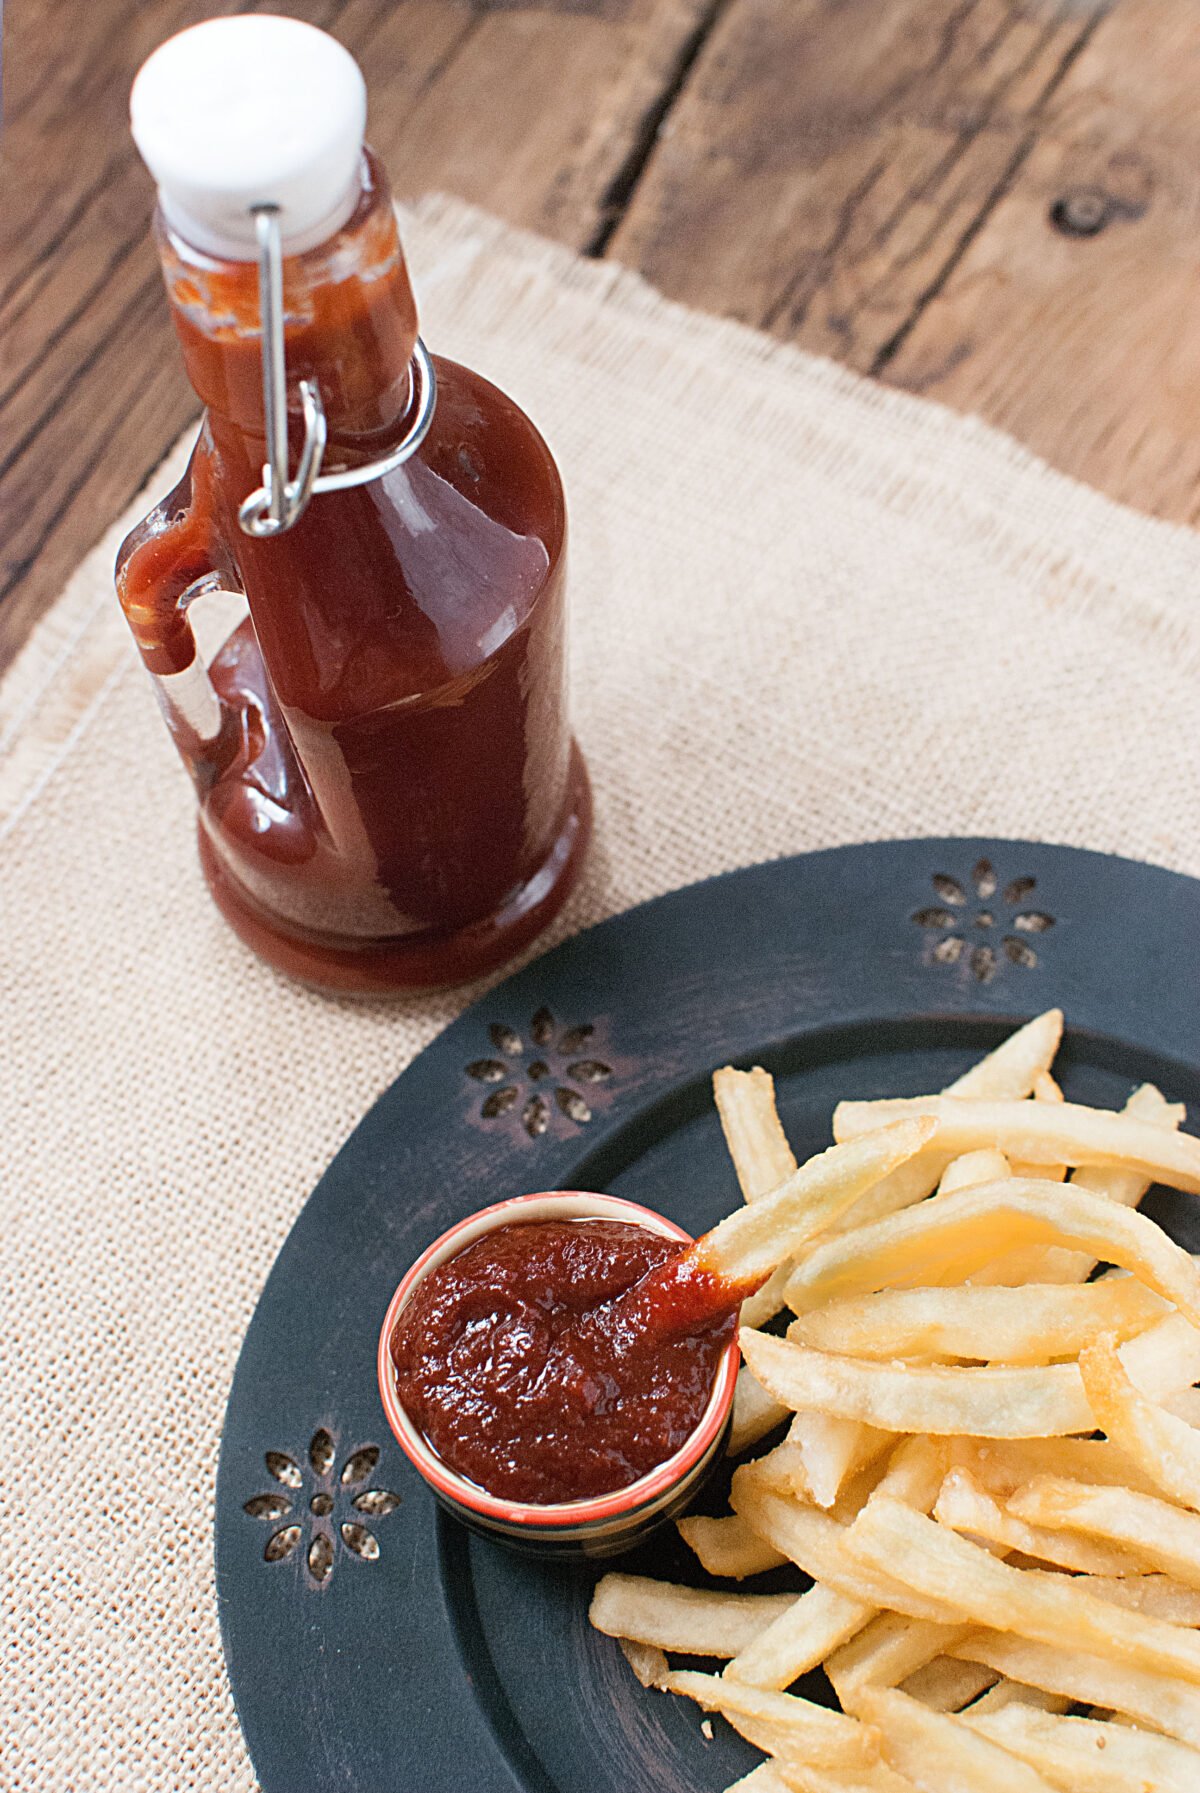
{"x":279,"y":501}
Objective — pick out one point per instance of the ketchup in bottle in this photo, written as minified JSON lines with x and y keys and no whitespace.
{"x":389,"y":793}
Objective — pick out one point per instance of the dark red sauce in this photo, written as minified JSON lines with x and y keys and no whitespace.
{"x":556,"y":1360}
{"x":393,"y":799}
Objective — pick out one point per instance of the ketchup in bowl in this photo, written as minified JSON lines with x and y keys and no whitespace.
{"x":556,"y":1360}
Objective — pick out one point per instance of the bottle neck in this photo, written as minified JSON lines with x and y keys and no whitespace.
{"x":350,"y":325}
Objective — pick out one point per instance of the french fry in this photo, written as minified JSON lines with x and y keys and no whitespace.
{"x":785,"y":1467}
{"x":789,"y":1465}
{"x":944,"y":1355}
{"x":901,"y":1188}
{"x":762,"y":1157}
{"x":965,"y":1507}
{"x":995,"y":1325}
{"x":1044,"y":1090}
{"x":1085,"y":1757}
{"x":749,"y":1243}
{"x":1165,"y":1447}
{"x":1125,"y":1186}
{"x":1004,"y":1466}
{"x":728,"y":1547}
{"x":1029,"y":1265}
{"x":762,"y":1160}
{"x":914,"y":1472}
{"x":893,"y":1647}
{"x":1010,"y":1072}
{"x":817,"y":1623}
{"x":1154,"y":1532}
{"x":766,"y":1302}
{"x":763,"y":1779}
{"x":801,"y":1777}
{"x":695,"y":1620}
{"x":1038,"y":1133}
{"x":1160,"y":1701}
{"x":1007,"y":1074}
{"x":973,"y":1168}
{"x":945,"y":1402}
{"x":1158,"y":1595}
{"x":648,"y":1663}
{"x":943,"y":1568}
{"x":1185,"y":1405}
{"x":1015,"y":1693}
{"x":755,"y":1413}
{"x":946,"y":1685}
{"x":1053,"y":1264}
{"x":830,"y":1451}
{"x":1145,"y":1357}
{"x":938,"y":1753}
{"x":1122,"y":1186}
{"x":888,"y":1650}
{"x":816,"y":1543}
{"x":790,"y":1727}
{"x":951,"y":1235}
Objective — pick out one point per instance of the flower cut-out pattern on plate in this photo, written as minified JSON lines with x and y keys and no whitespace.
{"x":318,"y":1509}
{"x":536,"y":1076}
{"x":981,"y":925}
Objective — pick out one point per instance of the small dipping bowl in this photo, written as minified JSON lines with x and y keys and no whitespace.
{"x":600,"y":1525}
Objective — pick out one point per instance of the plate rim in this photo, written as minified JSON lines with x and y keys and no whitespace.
{"x":951,"y":999}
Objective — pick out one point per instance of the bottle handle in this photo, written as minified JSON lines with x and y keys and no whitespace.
{"x":171,"y":558}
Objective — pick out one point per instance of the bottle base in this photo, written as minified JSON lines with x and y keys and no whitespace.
{"x":431,"y":960}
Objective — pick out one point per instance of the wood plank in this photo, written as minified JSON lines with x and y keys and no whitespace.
{"x":535,"y":114}
{"x":829,"y":158}
{"x":62,"y":269}
{"x":67,"y":131}
{"x":1087,"y":346}
{"x":528,"y":110}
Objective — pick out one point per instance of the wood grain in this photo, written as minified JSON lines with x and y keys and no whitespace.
{"x":91,"y":392}
{"x":907,"y":185}
{"x":535,"y":114}
{"x":1087,"y":346}
{"x":829,"y":159}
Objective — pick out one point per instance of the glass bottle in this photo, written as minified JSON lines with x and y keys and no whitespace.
{"x":389,"y":793}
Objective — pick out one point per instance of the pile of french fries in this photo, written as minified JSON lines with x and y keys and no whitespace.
{"x":1002,"y":1599}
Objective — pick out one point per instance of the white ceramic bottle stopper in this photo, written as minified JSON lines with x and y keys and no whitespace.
{"x":250,"y":111}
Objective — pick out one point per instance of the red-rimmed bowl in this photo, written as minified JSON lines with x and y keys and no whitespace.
{"x":603,"y":1525}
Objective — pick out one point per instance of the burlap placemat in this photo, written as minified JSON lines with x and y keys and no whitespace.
{"x":805,"y":611}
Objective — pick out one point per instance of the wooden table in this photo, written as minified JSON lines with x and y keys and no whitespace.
{"x":991,"y":202}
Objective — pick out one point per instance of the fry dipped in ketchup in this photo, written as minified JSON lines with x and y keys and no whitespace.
{"x":562,"y":1359}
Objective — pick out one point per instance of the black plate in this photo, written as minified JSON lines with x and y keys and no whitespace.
{"x":428,"y":1661}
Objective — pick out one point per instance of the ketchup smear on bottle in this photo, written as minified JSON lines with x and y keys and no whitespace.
{"x":557,"y":1360}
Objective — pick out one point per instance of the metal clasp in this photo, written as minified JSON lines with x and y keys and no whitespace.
{"x":280,"y":501}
